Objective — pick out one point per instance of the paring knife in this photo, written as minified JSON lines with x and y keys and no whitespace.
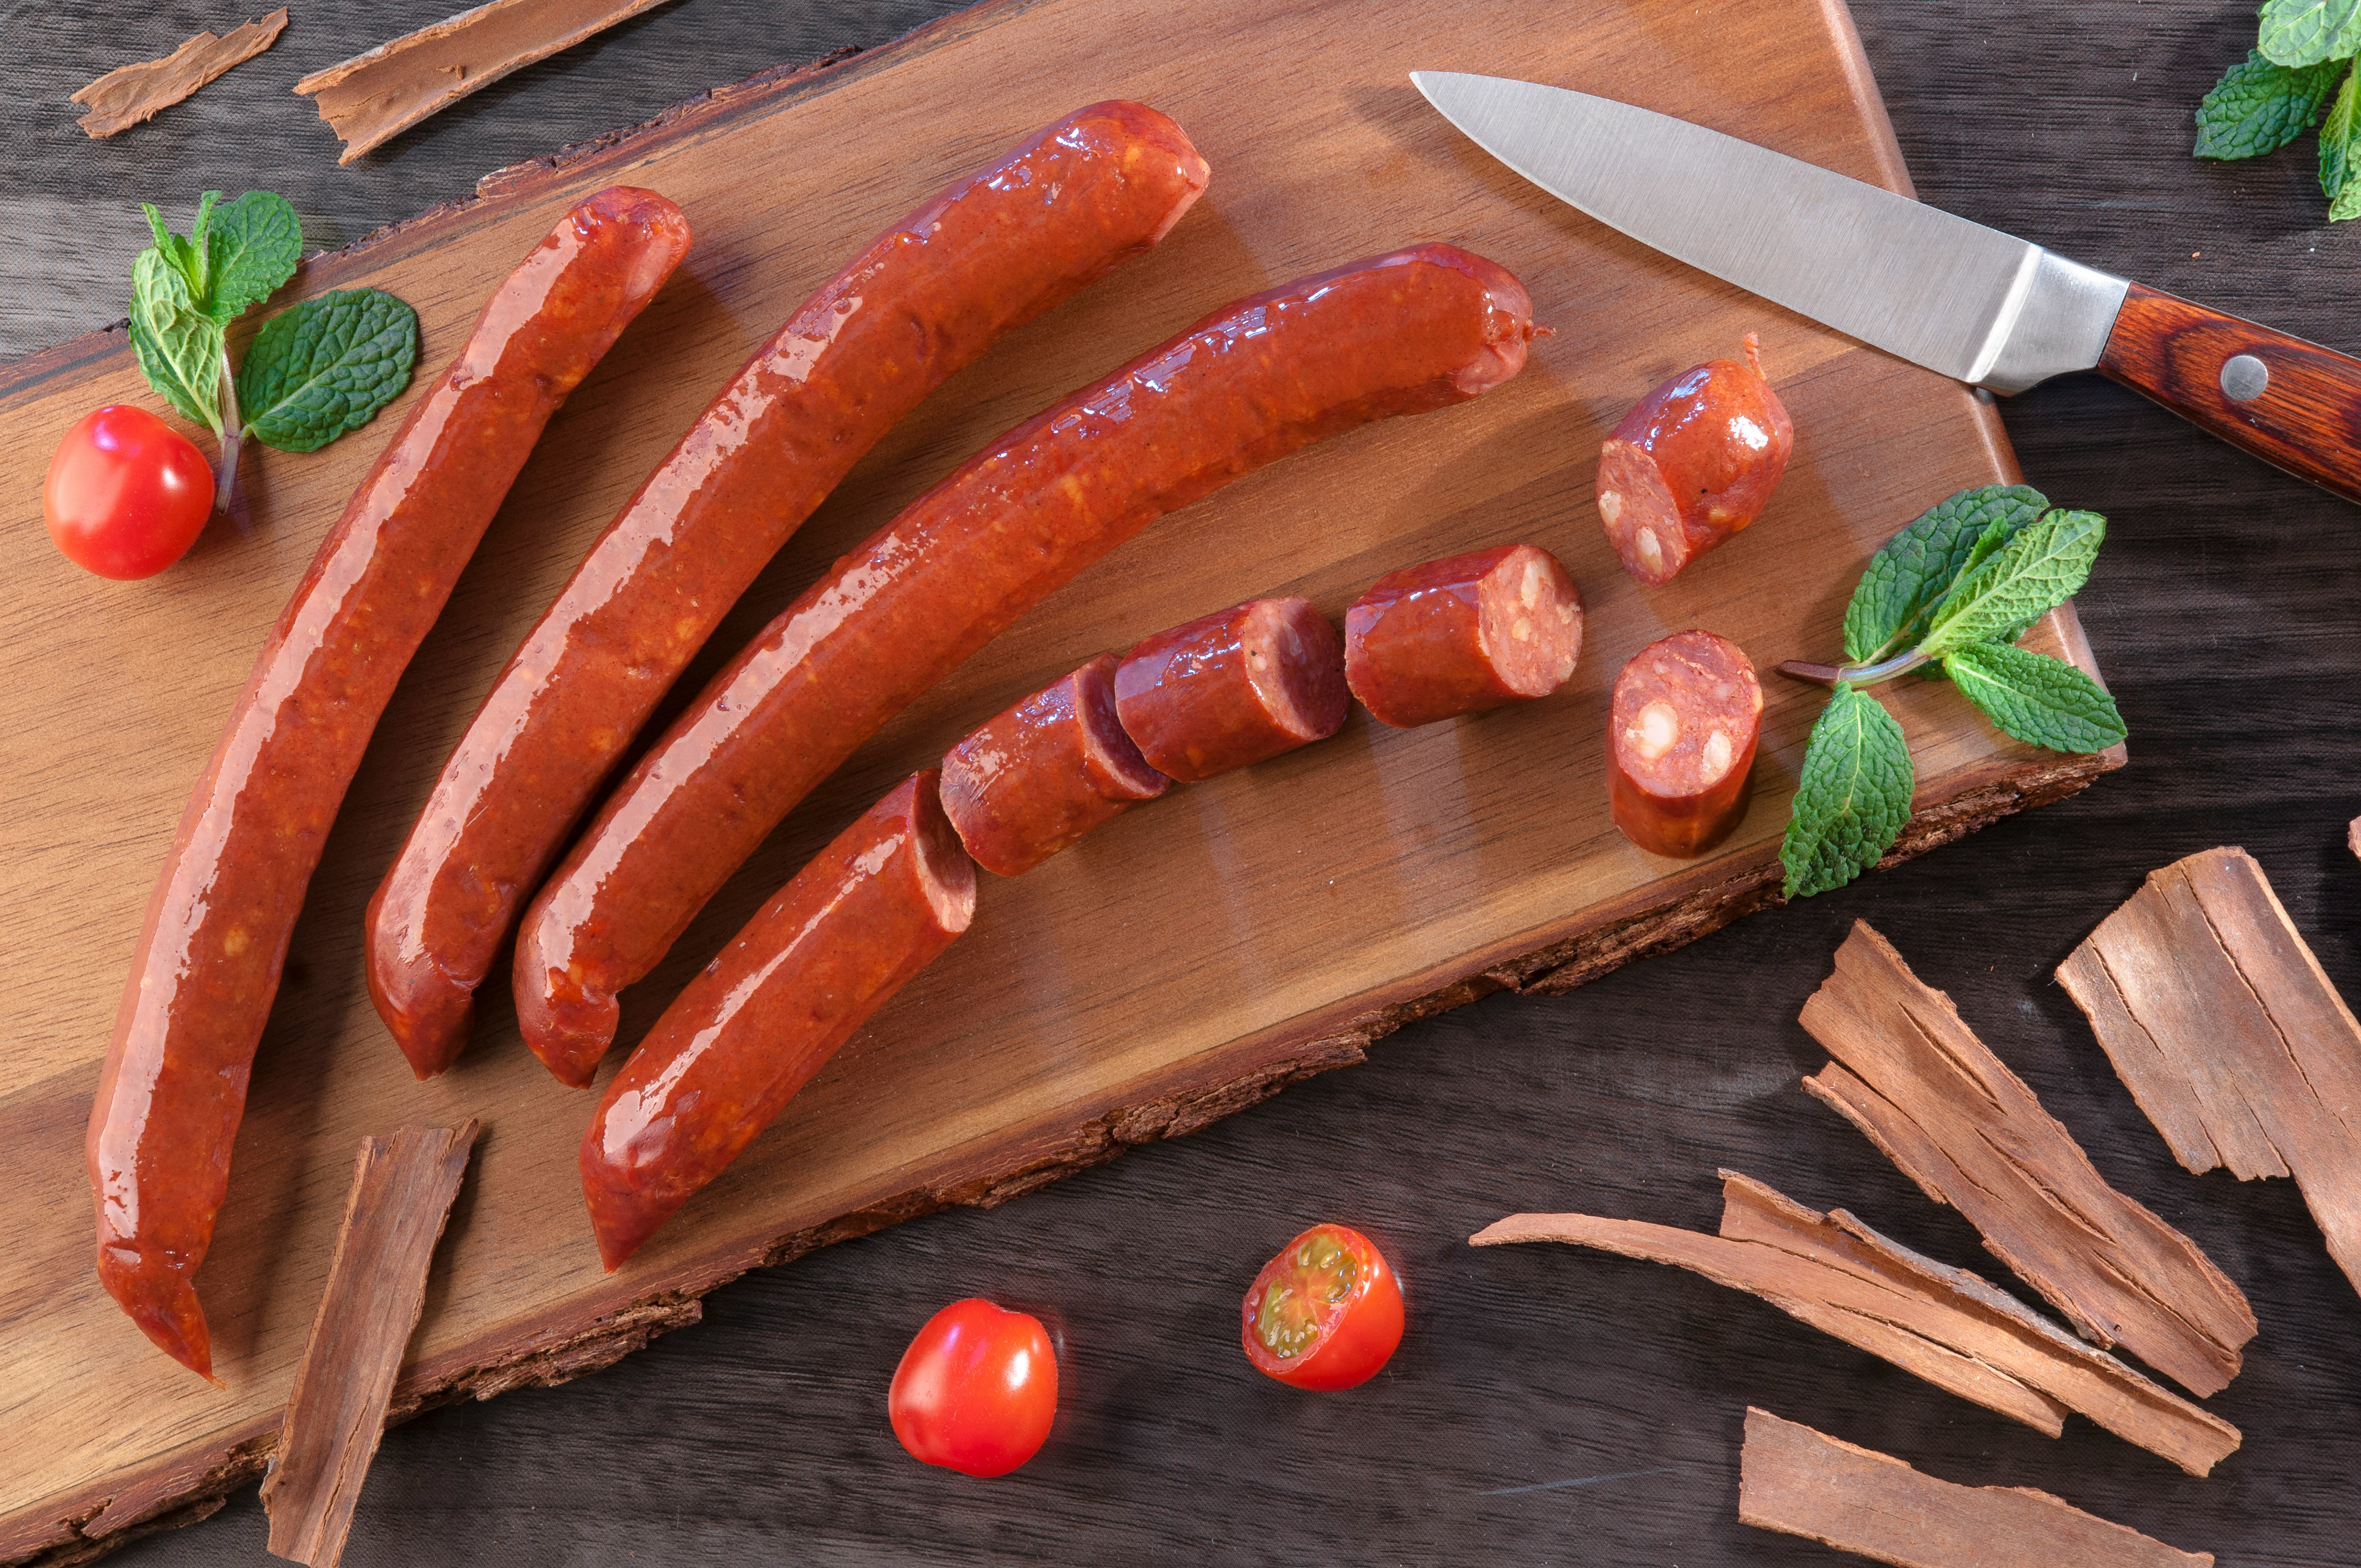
{"x":1954,"y":296}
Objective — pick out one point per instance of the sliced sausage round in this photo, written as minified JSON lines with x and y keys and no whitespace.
{"x":1034,"y":780}
{"x":1458,"y":636}
{"x":1233,"y":688}
{"x":1680,"y":739}
{"x":1692,"y":465}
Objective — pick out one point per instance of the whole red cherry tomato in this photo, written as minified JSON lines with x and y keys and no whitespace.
{"x":1326,"y":1313}
{"x":128,"y":494}
{"x":976,"y":1390}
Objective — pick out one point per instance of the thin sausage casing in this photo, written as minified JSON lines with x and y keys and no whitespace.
{"x":1400,"y":334}
{"x":1031,"y":781}
{"x":201,"y":981}
{"x":920,"y":302}
{"x":1233,"y":688}
{"x":1681,"y":733}
{"x":825,"y":951}
{"x":1692,"y":465}
{"x":1461,"y":635}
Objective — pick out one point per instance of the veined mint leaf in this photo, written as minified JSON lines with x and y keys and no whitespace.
{"x":2040,"y":568}
{"x":2259,"y":107}
{"x":256,"y":243}
{"x":1853,"y":798}
{"x":184,"y":257}
{"x":325,"y":366}
{"x":2340,"y":142}
{"x":178,"y":346}
{"x":2305,"y":32}
{"x":2040,"y":700}
{"x":1912,"y":570}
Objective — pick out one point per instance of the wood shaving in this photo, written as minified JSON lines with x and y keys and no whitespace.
{"x":129,"y":95}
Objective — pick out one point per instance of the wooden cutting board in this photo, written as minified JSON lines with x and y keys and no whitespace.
{"x":1190,"y":959}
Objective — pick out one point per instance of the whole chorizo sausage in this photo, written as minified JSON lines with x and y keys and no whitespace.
{"x":1399,"y":334}
{"x":923,"y":301}
{"x":1692,"y":465}
{"x":825,"y":951}
{"x":1462,"y":635}
{"x":173,"y":1088}
{"x":1036,"y":778}
{"x":1681,"y":733}
{"x":1233,"y":688}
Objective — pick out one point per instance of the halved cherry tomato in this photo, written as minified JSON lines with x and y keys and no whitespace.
{"x":1326,"y":1313}
{"x":976,"y":1390}
{"x":126,"y":494}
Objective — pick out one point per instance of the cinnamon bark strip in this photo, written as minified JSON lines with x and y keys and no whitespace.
{"x":2353,"y":836}
{"x":2226,"y":1031}
{"x":374,"y":97}
{"x":401,"y":1198}
{"x":1937,"y":1322}
{"x":1911,"y":1074}
{"x":131,"y":94}
{"x":1801,"y":1481}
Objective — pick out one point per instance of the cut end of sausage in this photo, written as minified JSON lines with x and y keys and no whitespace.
{"x":1153,"y":126}
{"x":1637,"y":509}
{"x":428,"y":1013}
{"x":567,"y":1025}
{"x":1116,"y":768}
{"x":1297,"y":663}
{"x":162,"y":1300}
{"x":946,"y":873}
{"x":1531,"y":626}
{"x":1682,"y":732}
{"x":647,"y":214}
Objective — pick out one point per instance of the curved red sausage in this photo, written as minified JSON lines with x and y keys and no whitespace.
{"x":1681,"y":735}
{"x":923,"y":301}
{"x":202,"y":981}
{"x":1032,"y":781}
{"x":1233,"y":688}
{"x":829,"y":949}
{"x":1458,"y":636}
{"x":1692,"y":465}
{"x":1394,"y":335}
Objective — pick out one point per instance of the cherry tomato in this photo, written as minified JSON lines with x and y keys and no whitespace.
{"x":128,"y":494}
{"x":976,"y":1390}
{"x":1326,"y":1313}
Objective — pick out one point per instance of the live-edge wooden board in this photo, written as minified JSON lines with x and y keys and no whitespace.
{"x":1191,"y":958}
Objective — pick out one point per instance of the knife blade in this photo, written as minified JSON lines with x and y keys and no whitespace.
{"x":1927,"y":286}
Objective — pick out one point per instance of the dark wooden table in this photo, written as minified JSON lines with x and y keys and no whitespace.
{"x":1547,"y":1405}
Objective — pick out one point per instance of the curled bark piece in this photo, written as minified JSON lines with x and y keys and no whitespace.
{"x":2226,"y":1031}
{"x":401,"y":1198}
{"x":1910,"y":1074}
{"x":1801,"y":1481}
{"x":371,"y":98}
{"x":2353,"y":836}
{"x":1937,"y":1322}
{"x":129,"y":95}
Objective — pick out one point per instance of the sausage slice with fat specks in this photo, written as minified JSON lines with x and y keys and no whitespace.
{"x":1033,"y":780}
{"x":1681,"y":734}
{"x":1233,"y":688}
{"x":1461,"y":635}
{"x":1695,"y":463}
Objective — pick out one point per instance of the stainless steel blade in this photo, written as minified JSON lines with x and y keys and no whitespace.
{"x":1937,"y":290}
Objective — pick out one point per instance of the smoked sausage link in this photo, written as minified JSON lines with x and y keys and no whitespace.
{"x":1034,"y":780}
{"x":1233,"y":688}
{"x":1681,"y":734}
{"x":923,"y":301}
{"x":829,"y":949}
{"x":1692,"y":465}
{"x":1458,"y":636}
{"x":1395,"y":334}
{"x":206,"y":969}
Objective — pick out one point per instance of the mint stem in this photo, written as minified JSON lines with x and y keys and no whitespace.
{"x":230,"y":432}
{"x":1856,"y":674}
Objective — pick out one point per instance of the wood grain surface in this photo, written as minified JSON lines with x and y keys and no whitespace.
{"x":760,"y":1435}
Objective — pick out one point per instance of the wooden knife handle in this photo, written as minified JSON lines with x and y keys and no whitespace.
{"x":2291,"y":403}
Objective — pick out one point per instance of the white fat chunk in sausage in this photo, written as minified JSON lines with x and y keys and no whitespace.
{"x":1652,"y":554}
{"x":1610,"y":506}
{"x":1656,"y":730}
{"x":1714,"y":759}
{"x":1752,"y":434}
{"x":1531,"y":591}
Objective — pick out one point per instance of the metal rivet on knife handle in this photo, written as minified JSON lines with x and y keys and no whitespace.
{"x":2243,"y":376}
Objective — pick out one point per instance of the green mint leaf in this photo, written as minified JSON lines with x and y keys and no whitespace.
{"x":178,"y":254}
{"x":1853,"y":798}
{"x":178,"y":346}
{"x":2305,"y":32}
{"x":1914,"y":569}
{"x":2040,"y":700}
{"x":2259,"y":107}
{"x":2040,"y":569}
{"x":326,"y":365}
{"x":2340,"y":139}
{"x":255,"y":246}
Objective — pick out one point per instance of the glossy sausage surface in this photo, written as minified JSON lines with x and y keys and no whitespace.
{"x":1681,"y":733}
{"x":1400,"y":334}
{"x":1033,"y":779}
{"x":1233,"y":688}
{"x":1692,"y":465}
{"x":922,"y":301}
{"x":825,"y":951}
{"x":1461,"y":635}
{"x":201,"y":981}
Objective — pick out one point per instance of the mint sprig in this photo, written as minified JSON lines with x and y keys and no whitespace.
{"x":2303,"y":63}
{"x":2259,"y":107}
{"x":1953,"y":590}
{"x":2305,"y":32}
